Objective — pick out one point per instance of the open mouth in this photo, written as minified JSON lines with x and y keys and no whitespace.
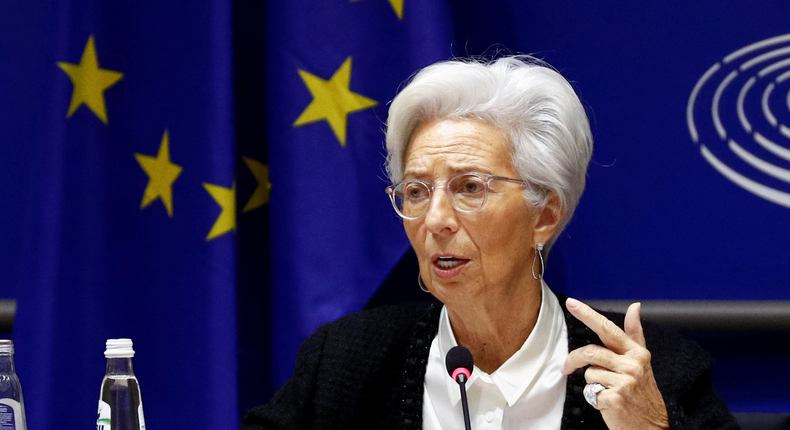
{"x":448,"y":262}
{"x":448,"y":266}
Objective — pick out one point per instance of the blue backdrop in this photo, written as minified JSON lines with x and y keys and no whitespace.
{"x":117,"y":178}
{"x":206,"y":178}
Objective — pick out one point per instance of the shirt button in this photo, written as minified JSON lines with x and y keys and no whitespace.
{"x":490,"y":416}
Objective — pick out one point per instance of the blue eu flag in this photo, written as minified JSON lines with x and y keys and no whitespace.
{"x":119,"y":205}
{"x":332,"y":68}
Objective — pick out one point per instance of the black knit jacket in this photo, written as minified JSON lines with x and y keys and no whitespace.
{"x":366,"y":371}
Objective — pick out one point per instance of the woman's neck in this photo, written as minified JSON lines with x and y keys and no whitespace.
{"x":495,"y":329}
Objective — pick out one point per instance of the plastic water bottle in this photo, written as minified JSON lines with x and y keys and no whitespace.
{"x":12,"y":406}
{"x":120,"y":403}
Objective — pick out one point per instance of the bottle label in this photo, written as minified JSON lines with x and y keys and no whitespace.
{"x":103,"y":420}
{"x":11,"y":415}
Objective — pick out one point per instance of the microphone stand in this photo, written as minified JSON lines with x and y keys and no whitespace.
{"x":462,"y":383}
{"x":460,"y":364}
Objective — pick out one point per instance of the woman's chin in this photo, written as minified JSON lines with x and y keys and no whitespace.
{"x":456,"y":292}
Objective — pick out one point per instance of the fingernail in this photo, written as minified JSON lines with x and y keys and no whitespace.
{"x":572,"y":303}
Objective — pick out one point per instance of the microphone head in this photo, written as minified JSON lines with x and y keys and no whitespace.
{"x":459,"y":361}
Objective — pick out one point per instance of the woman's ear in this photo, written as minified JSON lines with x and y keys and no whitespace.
{"x":548,"y":218}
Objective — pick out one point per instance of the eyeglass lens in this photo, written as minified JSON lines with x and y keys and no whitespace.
{"x":468,"y":192}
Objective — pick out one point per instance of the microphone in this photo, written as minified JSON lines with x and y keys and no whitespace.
{"x":459,"y":365}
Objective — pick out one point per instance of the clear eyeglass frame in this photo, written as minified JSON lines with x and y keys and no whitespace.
{"x":464,"y":199}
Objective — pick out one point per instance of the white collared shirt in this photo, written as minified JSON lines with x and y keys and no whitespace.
{"x":526,"y":392}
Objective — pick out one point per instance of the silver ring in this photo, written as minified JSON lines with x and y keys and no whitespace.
{"x":591,"y":393}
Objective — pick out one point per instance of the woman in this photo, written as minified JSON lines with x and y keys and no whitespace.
{"x":488,"y":162}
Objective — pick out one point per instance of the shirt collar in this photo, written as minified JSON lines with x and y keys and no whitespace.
{"x":519,"y":373}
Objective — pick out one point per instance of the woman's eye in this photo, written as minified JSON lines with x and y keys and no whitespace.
{"x":469,"y":186}
{"x":415,"y":192}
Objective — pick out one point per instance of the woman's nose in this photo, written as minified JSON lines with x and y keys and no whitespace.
{"x":441,"y":216}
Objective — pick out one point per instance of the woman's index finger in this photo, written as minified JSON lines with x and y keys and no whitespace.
{"x":613,"y":337}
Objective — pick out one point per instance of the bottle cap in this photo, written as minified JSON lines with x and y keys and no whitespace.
{"x":119,"y":348}
{"x":6,"y":347}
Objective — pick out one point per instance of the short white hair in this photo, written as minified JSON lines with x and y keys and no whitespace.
{"x":535,"y":108}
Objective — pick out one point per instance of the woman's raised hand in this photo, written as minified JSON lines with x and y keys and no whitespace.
{"x":631,"y":399}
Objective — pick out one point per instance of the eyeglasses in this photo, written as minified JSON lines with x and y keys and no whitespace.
{"x":468,"y":193}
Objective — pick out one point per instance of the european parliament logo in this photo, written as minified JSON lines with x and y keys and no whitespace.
{"x":739,"y":115}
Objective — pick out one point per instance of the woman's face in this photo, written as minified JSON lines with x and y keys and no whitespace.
{"x":466,"y":256}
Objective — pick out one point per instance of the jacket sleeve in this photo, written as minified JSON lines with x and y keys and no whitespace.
{"x":291,"y":408}
{"x":699,"y":409}
{"x":683,"y":374}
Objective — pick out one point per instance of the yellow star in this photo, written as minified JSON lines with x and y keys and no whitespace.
{"x":161,"y":175}
{"x":261,"y":194}
{"x":90,"y":82}
{"x":333,"y":100}
{"x":226,"y":199}
{"x":397,"y":6}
